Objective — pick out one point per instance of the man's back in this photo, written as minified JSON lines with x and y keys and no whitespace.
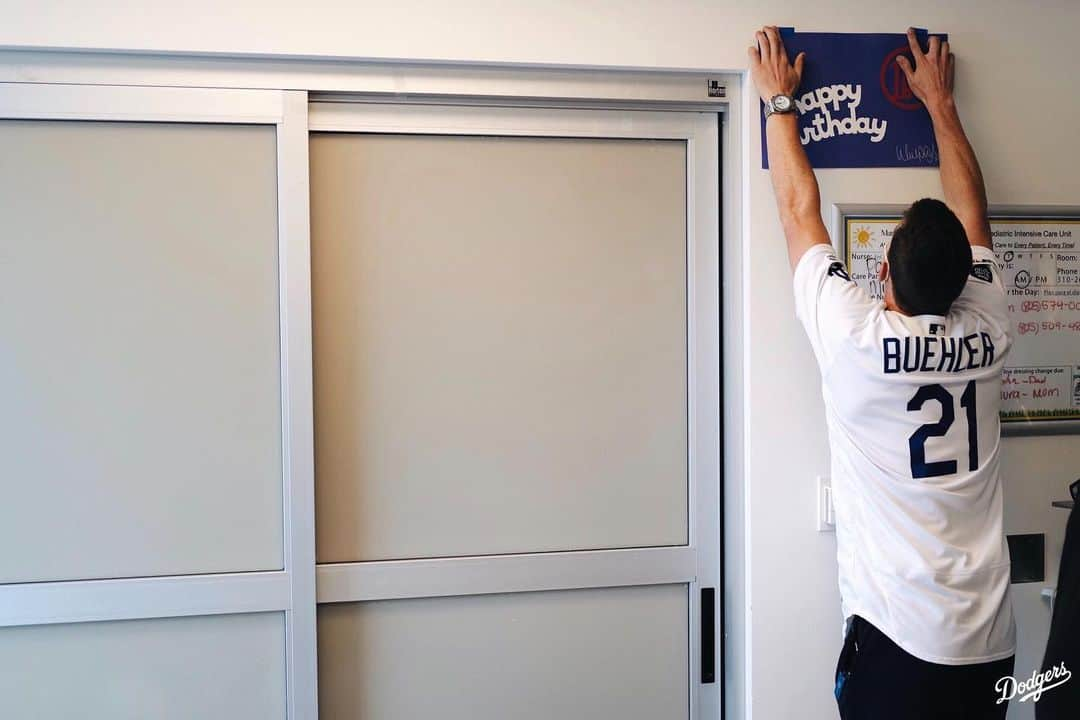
{"x":912,"y":389}
{"x":912,"y":410}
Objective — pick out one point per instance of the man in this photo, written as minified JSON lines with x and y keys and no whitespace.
{"x":912,"y":388}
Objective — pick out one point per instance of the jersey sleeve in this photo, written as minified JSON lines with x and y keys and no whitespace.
{"x":829,"y":304}
{"x":984,"y":292}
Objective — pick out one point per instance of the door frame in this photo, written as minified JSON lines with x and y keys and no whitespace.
{"x":76,"y":73}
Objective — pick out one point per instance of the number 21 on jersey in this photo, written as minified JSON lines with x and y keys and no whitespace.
{"x":920,"y":467}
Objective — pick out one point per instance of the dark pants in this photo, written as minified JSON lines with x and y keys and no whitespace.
{"x":878,"y":680}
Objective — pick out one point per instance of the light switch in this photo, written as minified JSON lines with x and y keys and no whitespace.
{"x":826,"y":519}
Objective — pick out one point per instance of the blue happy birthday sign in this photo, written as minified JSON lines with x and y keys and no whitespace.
{"x":855,"y":106}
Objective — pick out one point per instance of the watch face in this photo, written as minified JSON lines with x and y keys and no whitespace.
{"x":782,"y":103}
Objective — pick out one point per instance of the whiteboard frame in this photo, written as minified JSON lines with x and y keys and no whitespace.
{"x":840,"y":214}
{"x":290,"y":591}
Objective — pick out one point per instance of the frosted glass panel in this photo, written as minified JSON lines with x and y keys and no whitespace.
{"x":580,"y":654}
{"x":211,"y":668}
{"x":140,"y":428}
{"x":500,"y":344}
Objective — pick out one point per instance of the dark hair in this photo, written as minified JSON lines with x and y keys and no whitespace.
{"x":929,"y":258}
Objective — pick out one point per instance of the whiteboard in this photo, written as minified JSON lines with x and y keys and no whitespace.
{"x":1040,"y":260}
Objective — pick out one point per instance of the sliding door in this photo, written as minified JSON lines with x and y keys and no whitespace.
{"x":155,"y":433}
{"x":516,"y":398}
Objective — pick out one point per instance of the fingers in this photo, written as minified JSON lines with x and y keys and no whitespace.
{"x":905,"y":65}
{"x":754,"y":53}
{"x":935,"y":48}
{"x":913,"y":42}
{"x":950,"y":71}
{"x":768,"y":40}
{"x":800,"y":60}
{"x":763,"y":45}
{"x":943,"y":63}
{"x":776,"y":44}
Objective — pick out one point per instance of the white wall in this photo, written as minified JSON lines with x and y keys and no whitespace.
{"x":1014,"y":58}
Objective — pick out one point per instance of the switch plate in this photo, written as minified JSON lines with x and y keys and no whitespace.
{"x":826,"y":519}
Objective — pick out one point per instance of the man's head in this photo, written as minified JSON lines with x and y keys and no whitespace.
{"x":928,"y":260}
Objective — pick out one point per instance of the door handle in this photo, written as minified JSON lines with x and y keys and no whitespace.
{"x":708,"y":635}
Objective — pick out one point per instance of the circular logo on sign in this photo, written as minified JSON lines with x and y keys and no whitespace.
{"x":894,"y":84}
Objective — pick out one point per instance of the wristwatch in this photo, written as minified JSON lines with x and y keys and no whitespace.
{"x":779,"y":105}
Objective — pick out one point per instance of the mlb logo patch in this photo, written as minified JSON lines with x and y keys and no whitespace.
{"x":937,"y":329}
{"x":981,"y":271}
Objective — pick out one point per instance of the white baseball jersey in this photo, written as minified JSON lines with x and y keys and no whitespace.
{"x":912,"y":407}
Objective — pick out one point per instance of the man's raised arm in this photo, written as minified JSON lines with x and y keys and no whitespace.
{"x":932,"y":81}
{"x":796,"y":188}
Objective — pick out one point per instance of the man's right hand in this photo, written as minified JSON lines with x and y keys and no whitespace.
{"x":932,"y":77}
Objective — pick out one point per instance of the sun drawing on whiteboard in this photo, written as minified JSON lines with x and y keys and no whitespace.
{"x":862,"y":236}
